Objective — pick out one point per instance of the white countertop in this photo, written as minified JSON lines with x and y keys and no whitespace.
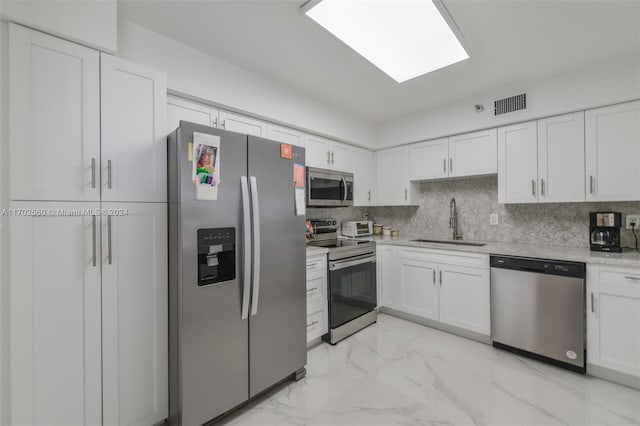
{"x":574,"y":254}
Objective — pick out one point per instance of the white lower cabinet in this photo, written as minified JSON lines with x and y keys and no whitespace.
{"x":613,"y":318}
{"x":89,"y":313}
{"x":317,"y":303}
{"x":443,"y":286}
{"x":386,"y":269}
{"x":418,"y":290}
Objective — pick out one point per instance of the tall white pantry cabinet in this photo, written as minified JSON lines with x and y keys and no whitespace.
{"x":88,"y":236}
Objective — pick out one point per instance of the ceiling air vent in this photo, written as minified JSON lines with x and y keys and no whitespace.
{"x":510,"y":104}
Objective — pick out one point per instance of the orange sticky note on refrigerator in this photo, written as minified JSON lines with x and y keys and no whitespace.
{"x":298,"y":175}
{"x":286,"y":151}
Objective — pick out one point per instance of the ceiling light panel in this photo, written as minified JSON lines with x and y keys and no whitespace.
{"x":404,"y":38}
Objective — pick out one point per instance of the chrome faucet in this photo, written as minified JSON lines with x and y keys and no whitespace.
{"x":453,"y":220}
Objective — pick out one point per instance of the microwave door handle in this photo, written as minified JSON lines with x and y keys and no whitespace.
{"x":344,"y":196}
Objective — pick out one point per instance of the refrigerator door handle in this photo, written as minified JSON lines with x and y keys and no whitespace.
{"x":256,"y":246}
{"x":246,"y":231}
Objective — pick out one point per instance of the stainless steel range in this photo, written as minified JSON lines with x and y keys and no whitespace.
{"x":352,"y":280}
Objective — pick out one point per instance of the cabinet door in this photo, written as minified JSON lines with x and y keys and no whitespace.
{"x":134,"y":132}
{"x":54,"y":118}
{"x":613,"y":319}
{"x":474,"y":153}
{"x":561,"y":158}
{"x":418,"y":288}
{"x":55,"y":315}
{"x":429,"y":160}
{"x":517,"y":163}
{"x":318,"y":151}
{"x":242,"y":124}
{"x":612,"y":142}
{"x":285,"y":135}
{"x":340,"y":157}
{"x":388,"y":275}
{"x":183,"y":109}
{"x":134,"y":313}
{"x":464,"y":298}
{"x":361,"y":162}
{"x":392,"y":170}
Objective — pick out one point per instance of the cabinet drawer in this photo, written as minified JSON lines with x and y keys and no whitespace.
{"x":316,"y":321}
{"x":612,"y":275}
{"x":445,"y":256}
{"x":316,"y":284}
{"x":316,"y":264}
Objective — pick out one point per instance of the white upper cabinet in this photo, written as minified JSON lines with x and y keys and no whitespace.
{"x":612,"y":142}
{"x":183,"y":109}
{"x":561,"y":158}
{"x":318,"y":151}
{"x":362,"y":165}
{"x":473,"y":153}
{"x":134,"y":314}
{"x":285,"y":135}
{"x":517,"y":164}
{"x":393,"y":187}
{"x":134,"y":132}
{"x":55,"y":335}
{"x":429,"y":160}
{"x":54,"y":117}
{"x":242,"y":124}
{"x":326,"y":153}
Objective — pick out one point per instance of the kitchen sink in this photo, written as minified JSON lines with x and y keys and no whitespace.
{"x":457,"y":242}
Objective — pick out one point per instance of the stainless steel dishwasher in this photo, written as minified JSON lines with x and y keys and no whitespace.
{"x":538,"y":309}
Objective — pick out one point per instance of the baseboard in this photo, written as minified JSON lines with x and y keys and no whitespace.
{"x":437,"y":325}
{"x":613,"y":376}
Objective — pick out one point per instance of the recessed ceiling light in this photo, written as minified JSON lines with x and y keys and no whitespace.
{"x":404,"y":38}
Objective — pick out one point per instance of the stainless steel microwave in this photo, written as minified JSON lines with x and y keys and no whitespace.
{"x":329,"y":188}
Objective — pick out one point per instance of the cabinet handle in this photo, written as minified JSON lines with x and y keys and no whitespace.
{"x":224,"y":124}
{"x":328,"y":157}
{"x":633,"y":278}
{"x":109,"y":174}
{"x":332,"y":157}
{"x":109,"y":239}
{"x":309,"y":265}
{"x":369,"y":196}
{"x":590,"y":184}
{"x":592,"y":302}
{"x":93,"y":231}
{"x":450,"y":165}
{"x":533,"y":187}
{"x":215,"y":122}
{"x":312,"y":324}
{"x":440,"y":278}
{"x":444,"y":165}
{"x":311,"y":289}
{"x":406,"y":194}
{"x":93,"y":173}
{"x":542,"y":187}
{"x":434,"y":277}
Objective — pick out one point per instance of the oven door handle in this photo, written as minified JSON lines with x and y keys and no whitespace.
{"x":341,"y":264}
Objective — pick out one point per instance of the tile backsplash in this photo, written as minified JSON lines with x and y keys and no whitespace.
{"x":561,"y":224}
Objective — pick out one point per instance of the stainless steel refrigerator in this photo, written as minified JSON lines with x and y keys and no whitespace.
{"x":237,"y":287}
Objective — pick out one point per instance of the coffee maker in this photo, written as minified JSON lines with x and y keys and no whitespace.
{"x":605,"y":231}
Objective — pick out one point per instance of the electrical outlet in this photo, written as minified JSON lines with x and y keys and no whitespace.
{"x":633,"y":218}
{"x":493,"y":219}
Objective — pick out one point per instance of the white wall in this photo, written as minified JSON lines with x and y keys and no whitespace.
{"x":195,"y":74}
{"x":611,"y":82}
{"x":89,"y":22}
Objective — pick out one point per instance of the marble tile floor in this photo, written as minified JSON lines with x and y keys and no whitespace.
{"x":399,"y":373}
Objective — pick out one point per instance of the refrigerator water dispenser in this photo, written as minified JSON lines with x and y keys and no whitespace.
{"x":216,"y":255}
